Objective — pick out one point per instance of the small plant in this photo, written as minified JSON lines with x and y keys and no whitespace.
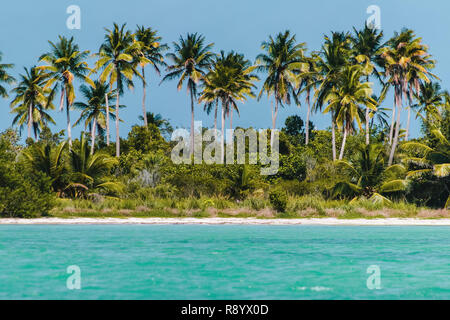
{"x":278,"y":199}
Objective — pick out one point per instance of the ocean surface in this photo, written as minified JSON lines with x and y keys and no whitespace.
{"x":224,"y":262}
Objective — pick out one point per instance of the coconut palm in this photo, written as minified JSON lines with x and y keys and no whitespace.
{"x":418,"y":74}
{"x":229,"y":81}
{"x":158,"y":121}
{"x":310,"y":77}
{"x":366,"y":45}
{"x":282,"y":59}
{"x":402,"y":58}
{"x":152,"y":50}
{"x":430,"y":101}
{"x":116,"y":58}
{"x":65,"y":62}
{"x":333,"y":58}
{"x":345,"y":99}
{"x":190,"y":60}
{"x":32,"y":101}
{"x":93,"y":111}
{"x":5,"y":77}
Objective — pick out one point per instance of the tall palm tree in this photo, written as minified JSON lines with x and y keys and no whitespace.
{"x":281,"y":61}
{"x":345,"y":99}
{"x":190,"y":60}
{"x":366,"y":46}
{"x":152,"y":50}
{"x":430,"y":101}
{"x":310,"y":77}
{"x":31,"y":101}
{"x":65,"y":62}
{"x":116,"y":58}
{"x":334,"y":57}
{"x":229,"y":81}
{"x":401,"y":58}
{"x":5,"y":77}
{"x":418,"y":74}
{"x":93,"y":111}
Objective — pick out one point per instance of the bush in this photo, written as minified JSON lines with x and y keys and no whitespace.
{"x":24,"y":193}
{"x":278,"y":199}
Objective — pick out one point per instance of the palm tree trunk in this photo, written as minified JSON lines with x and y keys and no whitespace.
{"x":117,"y":123}
{"x":344,"y":139}
{"x":144,"y":85}
{"x":367,"y":127}
{"x":215,"y":119}
{"x":395,"y":140}
{"x":30,"y":119}
{"x":69,"y":127}
{"x":274,"y":121}
{"x":223,"y":134}
{"x":231,"y":119}
{"x":333,"y":137}
{"x":192,"y":123}
{"x":94,"y":125}
{"x":367,"y":121}
{"x":107,"y":119}
{"x":391,"y":131}
{"x":408,"y":123}
{"x":308,"y":113}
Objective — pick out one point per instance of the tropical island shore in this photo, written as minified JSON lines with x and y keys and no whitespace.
{"x":228,"y":221}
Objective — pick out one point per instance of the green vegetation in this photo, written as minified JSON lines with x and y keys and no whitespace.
{"x":377,"y":171}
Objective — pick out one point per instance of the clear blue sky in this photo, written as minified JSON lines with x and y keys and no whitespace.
{"x":26,"y":26}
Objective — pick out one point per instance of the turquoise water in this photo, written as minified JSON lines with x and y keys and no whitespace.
{"x":224,"y":262}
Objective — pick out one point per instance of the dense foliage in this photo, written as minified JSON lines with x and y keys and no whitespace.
{"x":377,"y":162}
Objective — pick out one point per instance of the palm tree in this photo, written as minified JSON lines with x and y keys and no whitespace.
{"x":31,"y":101}
{"x":434,"y":161}
{"x":380,"y":115}
{"x":430,"y":100}
{"x":49,"y":160}
{"x":368,"y":176}
{"x":5,"y":77}
{"x":152,"y":50}
{"x":190,"y":60}
{"x":229,"y":81}
{"x":65,"y":62}
{"x":310,"y":76}
{"x":345,"y":99}
{"x":93,"y":111}
{"x":281,"y":61}
{"x":418,"y":74}
{"x":158,"y":121}
{"x":89,"y":173}
{"x":366,"y":46}
{"x":334,"y":57}
{"x":402,"y":58}
{"x":116,"y":58}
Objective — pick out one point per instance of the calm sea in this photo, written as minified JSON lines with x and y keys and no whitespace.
{"x":224,"y":262}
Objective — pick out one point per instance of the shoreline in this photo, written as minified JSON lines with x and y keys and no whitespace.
{"x":228,"y":221}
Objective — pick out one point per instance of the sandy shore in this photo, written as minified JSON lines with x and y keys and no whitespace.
{"x":229,"y":221}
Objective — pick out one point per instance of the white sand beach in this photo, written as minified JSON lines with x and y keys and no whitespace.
{"x":228,"y":221}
